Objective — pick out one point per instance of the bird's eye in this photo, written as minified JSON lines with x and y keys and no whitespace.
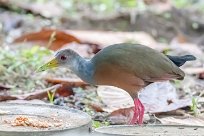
{"x":63,"y":58}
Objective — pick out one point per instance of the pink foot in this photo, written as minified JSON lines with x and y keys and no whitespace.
{"x":138,"y":112}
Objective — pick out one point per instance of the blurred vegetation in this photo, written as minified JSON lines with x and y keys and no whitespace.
{"x":194,"y":106}
{"x":75,"y":7}
{"x":97,"y":124}
{"x":51,"y":95}
{"x":182,"y":3}
{"x":116,"y":5}
{"x":17,"y":66}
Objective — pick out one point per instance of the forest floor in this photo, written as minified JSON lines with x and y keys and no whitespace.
{"x":29,"y":36}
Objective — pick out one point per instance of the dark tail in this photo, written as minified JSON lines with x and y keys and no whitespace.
{"x":180,"y":60}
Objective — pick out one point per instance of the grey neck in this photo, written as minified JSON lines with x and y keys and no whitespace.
{"x":84,"y":69}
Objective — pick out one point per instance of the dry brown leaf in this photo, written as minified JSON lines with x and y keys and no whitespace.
{"x":191,"y":121}
{"x":96,"y":107}
{"x":7,"y":97}
{"x":65,"y":90}
{"x":62,"y":89}
{"x":121,"y":116}
{"x":30,"y":96}
{"x":72,"y":82}
{"x":114,"y":98}
{"x":39,"y":94}
{"x":43,"y":37}
{"x":157,"y":97}
{"x":67,"y":85}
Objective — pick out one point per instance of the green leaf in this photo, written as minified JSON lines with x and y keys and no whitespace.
{"x":194,"y":106}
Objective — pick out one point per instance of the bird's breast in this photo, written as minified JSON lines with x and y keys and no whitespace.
{"x":114,"y":76}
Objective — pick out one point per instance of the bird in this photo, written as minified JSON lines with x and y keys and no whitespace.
{"x":130,"y":67}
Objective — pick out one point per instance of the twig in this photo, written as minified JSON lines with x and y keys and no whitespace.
{"x":51,"y":40}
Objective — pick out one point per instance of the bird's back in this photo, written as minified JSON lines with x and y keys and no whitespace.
{"x":133,"y":62}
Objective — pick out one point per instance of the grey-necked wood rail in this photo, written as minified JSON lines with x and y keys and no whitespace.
{"x":127,"y":66}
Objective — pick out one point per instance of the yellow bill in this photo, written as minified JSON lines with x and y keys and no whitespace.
{"x":51,"y":64}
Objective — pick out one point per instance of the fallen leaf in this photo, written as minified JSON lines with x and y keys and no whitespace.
{"x":124,"y":116}
{"x":67,"y":85}
{"x":72,"y":82}
{"x":30,"y":96}
{"x":121,"y":116}
{"x":60,"y":38}
{"x":65,"y":90}
{"x":7,"y":97}
{"x":114,"y":98}
{"x":188,"y":120}
{"x":39,"y":94}
{"x":156,"y":98}
{"x":96,"y":107}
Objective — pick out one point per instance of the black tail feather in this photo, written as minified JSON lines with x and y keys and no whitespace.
{"x":180,"y":60}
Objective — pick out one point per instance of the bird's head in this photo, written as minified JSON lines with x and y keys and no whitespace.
{"x":62,"y":58}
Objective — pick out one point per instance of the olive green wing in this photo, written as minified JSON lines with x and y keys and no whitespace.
{"x":142,"y":61}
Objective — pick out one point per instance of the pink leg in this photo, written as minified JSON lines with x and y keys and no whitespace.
{"x":138,"y":112}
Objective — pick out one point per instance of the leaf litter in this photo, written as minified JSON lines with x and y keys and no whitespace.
{"x":18,"y":73}
{"x":165,"y":100}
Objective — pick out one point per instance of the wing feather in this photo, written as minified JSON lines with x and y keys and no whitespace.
{"x":141,"y":61}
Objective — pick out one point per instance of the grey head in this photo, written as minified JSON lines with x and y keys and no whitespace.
{"x":72,"y":60}
{"x":66,"y":58}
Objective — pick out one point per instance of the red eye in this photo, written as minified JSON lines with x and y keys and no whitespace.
{"x":63,"y":58}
